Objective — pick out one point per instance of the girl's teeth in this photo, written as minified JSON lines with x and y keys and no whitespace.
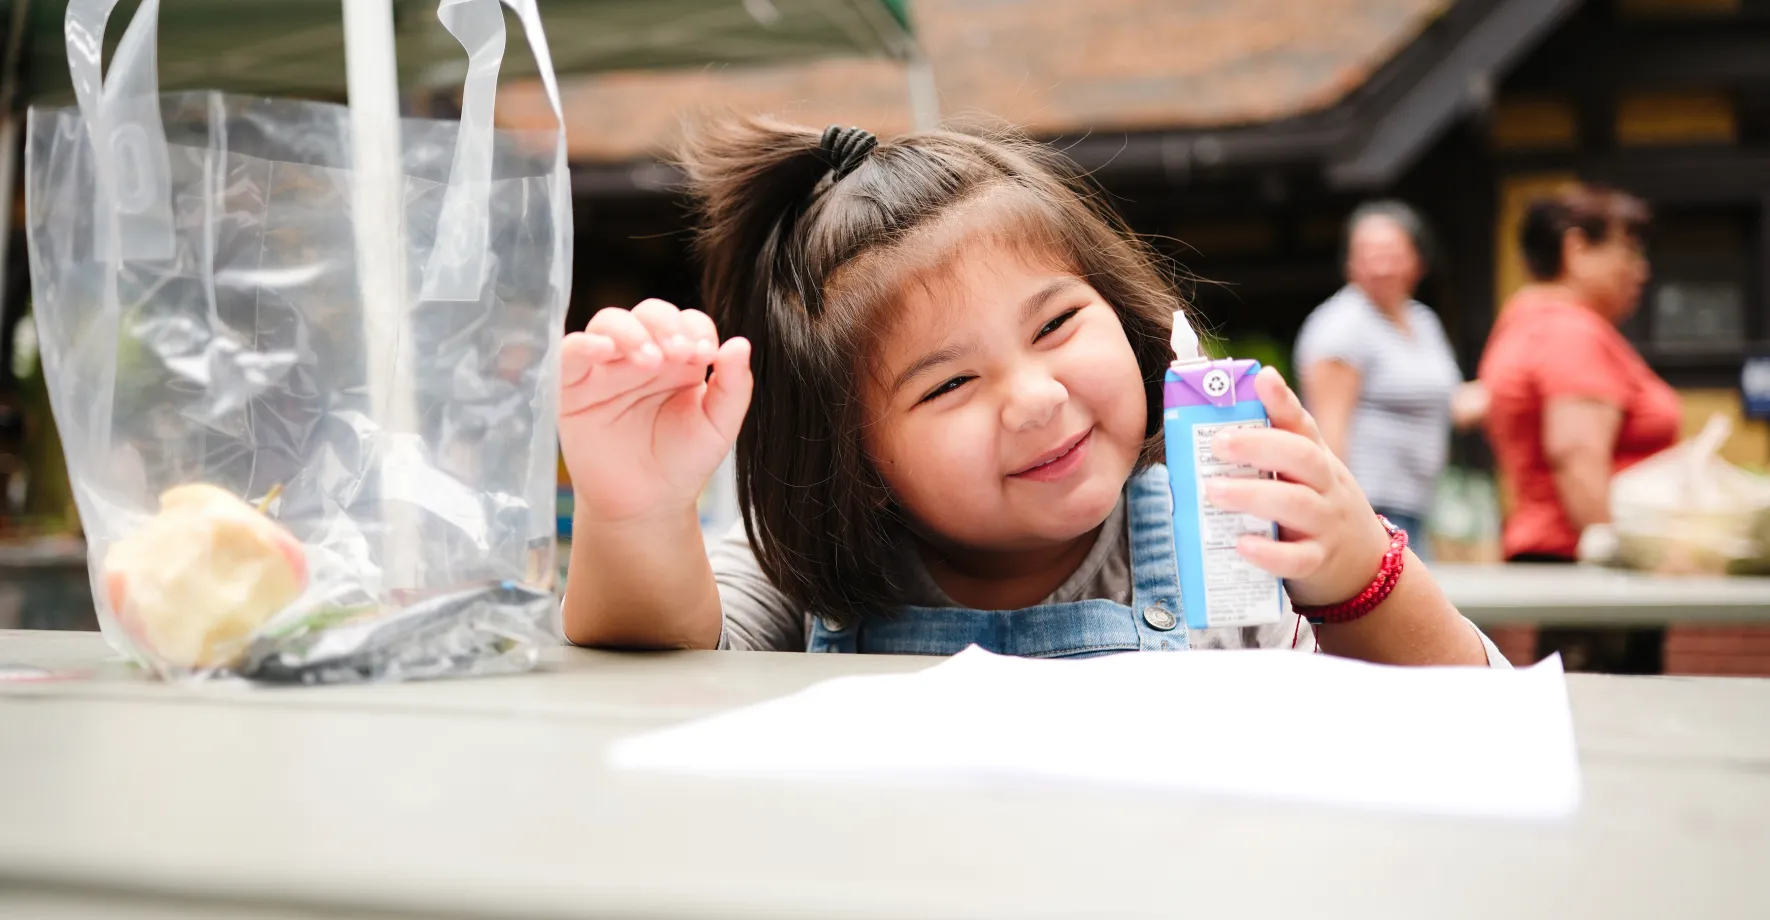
{"x":1052,"y":460}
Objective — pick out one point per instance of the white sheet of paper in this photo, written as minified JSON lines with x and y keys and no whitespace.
{"x":1267,"y":724}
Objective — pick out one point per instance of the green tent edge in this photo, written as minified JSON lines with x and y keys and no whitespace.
{"x":812,"y":29}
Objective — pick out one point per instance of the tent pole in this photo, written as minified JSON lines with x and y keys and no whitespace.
{"x":377,"y":189}
{"x":924,"y":95}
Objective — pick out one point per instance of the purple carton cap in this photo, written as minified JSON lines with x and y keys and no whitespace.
{"x":1210,"y":383}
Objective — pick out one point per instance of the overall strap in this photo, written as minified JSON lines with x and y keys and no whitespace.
{"x":1155,"y":569}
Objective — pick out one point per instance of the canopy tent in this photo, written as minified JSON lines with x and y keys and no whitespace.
{"x":296,"y":47}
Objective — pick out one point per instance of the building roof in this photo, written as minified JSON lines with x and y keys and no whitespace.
{"x":1054,"y":67}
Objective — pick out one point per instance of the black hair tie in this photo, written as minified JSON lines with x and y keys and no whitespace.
{"x":845,"y":148}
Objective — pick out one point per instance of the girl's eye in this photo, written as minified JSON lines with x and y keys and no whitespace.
{"x":944,"y":388}
{"x":1056,"y":324}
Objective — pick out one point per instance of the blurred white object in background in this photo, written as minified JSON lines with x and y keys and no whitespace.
{"x":1599,"y":545}
{"x":1686,"y":510}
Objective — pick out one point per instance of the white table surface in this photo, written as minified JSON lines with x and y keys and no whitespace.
{"x":1577,"y":595}
{"x":124,"y":798}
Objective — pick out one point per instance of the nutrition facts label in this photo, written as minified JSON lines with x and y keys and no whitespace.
{"x":1237,"y":593}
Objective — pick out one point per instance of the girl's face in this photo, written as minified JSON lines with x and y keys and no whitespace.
{"x":1006,"y":405}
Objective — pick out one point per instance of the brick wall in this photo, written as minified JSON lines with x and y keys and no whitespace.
{"x":1517,"y":643}
{"x":1739,"y":651}
{"x":1731,"y":650}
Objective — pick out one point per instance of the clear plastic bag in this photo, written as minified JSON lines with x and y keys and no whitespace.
{"x":1686,"y":511}
{"x":220,"y":302}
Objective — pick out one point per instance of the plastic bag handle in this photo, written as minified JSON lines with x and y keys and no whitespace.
{"x":457,"y":267}
{"x":1698,"y":485}
{"x":122,"y":116}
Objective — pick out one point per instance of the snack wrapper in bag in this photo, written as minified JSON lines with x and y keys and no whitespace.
{"x":1686,"y":510}
{"x":304,"y":449}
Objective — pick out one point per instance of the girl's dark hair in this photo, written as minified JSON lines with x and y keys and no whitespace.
{"x":1405,"y":217}
{"x":809,"y":268}
{"x":1594,"y":210}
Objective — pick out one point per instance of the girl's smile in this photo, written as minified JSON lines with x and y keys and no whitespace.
{"x":1055,"y":464}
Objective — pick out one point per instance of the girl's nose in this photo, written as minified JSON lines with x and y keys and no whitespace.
{"x":1033,"y":400}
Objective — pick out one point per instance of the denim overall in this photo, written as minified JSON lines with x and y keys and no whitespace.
{"x":1153,"y":622}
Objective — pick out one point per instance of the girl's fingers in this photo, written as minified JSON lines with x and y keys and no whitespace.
{"x":633,"y":342}
{"x":597,"y":373}
{"x":701,"y":332}
{"x":1296,"y":508}
{"x":728,"y":392}
{"x":1282,"y":405}
{"x":1272,"y":450}
{"x":583,"y":371}
{"x":579,"y":354}
{"x":617,"y":386}
{"x":664,"y":322}
{"x":1287,"y":560}
{"x":698,"y":325}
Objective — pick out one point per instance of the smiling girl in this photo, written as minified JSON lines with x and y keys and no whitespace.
{"x":956,"y":357}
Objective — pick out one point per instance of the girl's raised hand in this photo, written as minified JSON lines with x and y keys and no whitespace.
{"x":641,"y":424}
{"x":1331,"y":543}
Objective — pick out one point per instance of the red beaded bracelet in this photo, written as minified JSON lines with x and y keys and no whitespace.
{"x":1374,"y":594}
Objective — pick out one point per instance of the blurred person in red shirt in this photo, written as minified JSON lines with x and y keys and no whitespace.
{"x":1572,"y":402}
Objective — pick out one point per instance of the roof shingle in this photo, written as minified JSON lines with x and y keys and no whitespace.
{"x":1050,"y":66}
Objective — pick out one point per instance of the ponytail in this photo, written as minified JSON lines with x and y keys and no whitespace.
{"x":751,"y":179}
